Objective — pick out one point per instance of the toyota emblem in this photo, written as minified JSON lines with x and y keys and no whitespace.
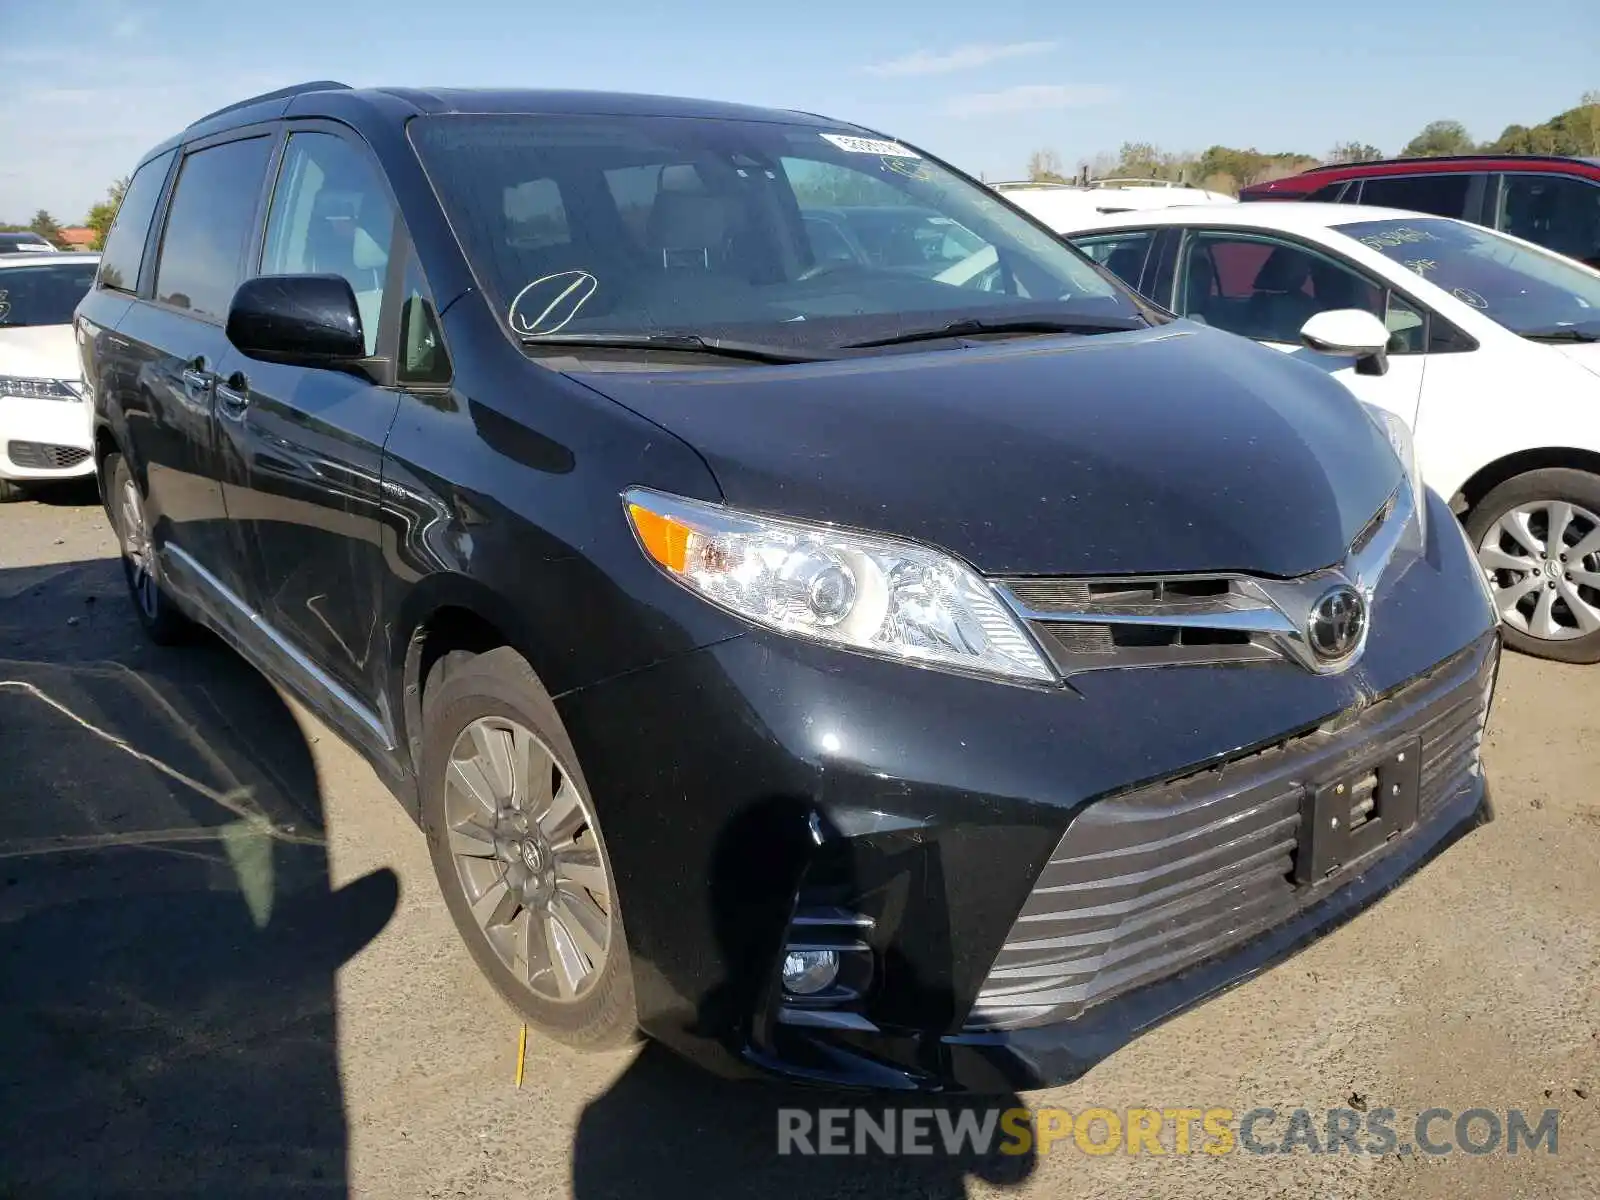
{"x":1338,"y":619}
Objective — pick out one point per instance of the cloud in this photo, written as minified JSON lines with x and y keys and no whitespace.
{"x":962,"y":58}
{"x":1029,"y":97}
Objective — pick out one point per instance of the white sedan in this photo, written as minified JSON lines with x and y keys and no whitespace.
{"x":1486,"y":345}
{"x":45,"y":430}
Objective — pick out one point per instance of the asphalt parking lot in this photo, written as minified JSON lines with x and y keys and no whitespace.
{"x":224,"y":971}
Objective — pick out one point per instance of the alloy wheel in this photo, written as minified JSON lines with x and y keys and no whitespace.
{"x":1542,"y":560}
{"x":524,"y":844}
{"x":136,"y":550}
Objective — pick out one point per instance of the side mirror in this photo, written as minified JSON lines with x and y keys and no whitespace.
{"x":1350,"y":331}
{"x":300,"y":320}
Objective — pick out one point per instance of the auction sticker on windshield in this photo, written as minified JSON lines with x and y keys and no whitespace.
{"x":861,"y":145}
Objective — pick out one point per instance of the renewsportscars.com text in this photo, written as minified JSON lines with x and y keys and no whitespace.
{"x":1215,"y":1131}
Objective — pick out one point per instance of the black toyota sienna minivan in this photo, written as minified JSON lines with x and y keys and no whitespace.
{"x":817,"y":618}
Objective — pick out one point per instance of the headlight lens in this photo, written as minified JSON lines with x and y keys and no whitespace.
{"x":40,"y":389}
{"x":869,"y":593}
{"x":1399,"y":435}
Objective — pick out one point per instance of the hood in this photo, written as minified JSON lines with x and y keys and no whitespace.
{"x":40,"y":352}
{"x":1171,"y":450}
{"x":1585,"y":354}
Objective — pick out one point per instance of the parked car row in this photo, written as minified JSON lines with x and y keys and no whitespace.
{"x":817,"y":616}
{"x":1551,"y":200}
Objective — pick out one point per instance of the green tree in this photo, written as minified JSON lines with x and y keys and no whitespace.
{"x":1440,"y":138}
{"x":1354,"y":152}
{"x":47,"y":227}
{"x":102,"y":214}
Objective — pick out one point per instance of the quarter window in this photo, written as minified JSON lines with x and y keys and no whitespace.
{"x":423,"y":357}
{"x":123,"y":255}
{"x":1444,"y":195}
{"x":331,"y":216}
{"x":209,"y":226}
{"x":1559,"y":212}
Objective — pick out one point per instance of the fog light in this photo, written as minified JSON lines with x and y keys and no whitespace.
{"x":807,"y":972}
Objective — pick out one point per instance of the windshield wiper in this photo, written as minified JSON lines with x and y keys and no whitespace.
{"x":688,"y":343}
{"x":1560,"y":333}
{"x":972,"y":325}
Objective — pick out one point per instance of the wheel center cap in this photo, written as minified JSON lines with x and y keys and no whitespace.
{"x":533,"y":856}
{"x":1552,"y":568}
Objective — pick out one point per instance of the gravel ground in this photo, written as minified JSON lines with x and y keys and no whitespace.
{"x":224,"y":970}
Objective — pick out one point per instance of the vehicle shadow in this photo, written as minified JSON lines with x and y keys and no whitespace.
{"x":168,"y":928}
{"x":668,"y":1129}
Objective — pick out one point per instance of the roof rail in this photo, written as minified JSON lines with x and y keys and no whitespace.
{"x":284,"y":93}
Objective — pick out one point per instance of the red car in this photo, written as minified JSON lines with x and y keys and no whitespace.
{"x":1553,"y":201}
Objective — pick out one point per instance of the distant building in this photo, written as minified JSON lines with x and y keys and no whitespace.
{"x":78,"y":237}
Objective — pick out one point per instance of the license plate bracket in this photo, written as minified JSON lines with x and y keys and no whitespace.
{"x":1351,"y":815}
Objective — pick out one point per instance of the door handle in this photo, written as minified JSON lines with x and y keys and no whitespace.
{"x":234,"y":395}
{"x":196,"y":378}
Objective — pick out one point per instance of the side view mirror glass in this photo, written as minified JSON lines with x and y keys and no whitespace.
{"x":1349,"y":331}
{"x":301,"y":320}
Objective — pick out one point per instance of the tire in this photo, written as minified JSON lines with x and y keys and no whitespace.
{"x":159,"y":616}
{"x":522,"y":889}
{"x":1556,"y":598}
{"x":11,"y":491}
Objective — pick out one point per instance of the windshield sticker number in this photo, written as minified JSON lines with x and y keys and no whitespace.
{"x":1404,"y":236}
{"x":861,"y":145}
{"x":1422,"y":266}
{"x":549,"y":303}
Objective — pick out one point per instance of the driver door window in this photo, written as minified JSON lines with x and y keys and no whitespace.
{"x":332,"y":216}
{"x":1266,"y":289}
{"x":1123,"y":254}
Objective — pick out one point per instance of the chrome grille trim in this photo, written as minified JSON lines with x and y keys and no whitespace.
{"x":1153,"y":880}
{"x":1090,"y":624}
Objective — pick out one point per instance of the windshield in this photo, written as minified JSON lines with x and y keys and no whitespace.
{"x":1528,"y":291}
{"x":762,"y":233}
{"x":43,"y":295}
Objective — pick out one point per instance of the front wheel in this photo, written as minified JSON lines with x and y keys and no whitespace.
{"x":516,"y":846}
{"x":1537,"y":538}
{"x":11,"y":491}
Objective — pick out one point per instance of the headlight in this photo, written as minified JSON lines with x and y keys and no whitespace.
{"x":874,"y":594}
{"x":1399,"y":434}
{"x":39,"y":389}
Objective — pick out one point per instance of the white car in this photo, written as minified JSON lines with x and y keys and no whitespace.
{"x":1486,"y":345}
{"x":1059,"y":203}
{"x":45,"y":430}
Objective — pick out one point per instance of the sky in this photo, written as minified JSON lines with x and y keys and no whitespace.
{"x":91,"y":84}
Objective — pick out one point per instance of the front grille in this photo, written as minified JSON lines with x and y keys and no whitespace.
{"x":41,"y":456}
{"x":1151,"y":881}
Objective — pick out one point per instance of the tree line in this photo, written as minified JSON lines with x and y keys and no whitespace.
{"x":98,"y":219}
{"x":1227,"y":169}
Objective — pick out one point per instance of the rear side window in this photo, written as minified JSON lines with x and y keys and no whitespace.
{"x":1560,"y":212}
{"x":1439,"y":194}
{"x":208,"y":226}
{"x":1329,"y":194}
{"x":124,"y":250}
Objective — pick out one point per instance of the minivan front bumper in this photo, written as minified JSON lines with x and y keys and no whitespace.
{"x":764,"y":792}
